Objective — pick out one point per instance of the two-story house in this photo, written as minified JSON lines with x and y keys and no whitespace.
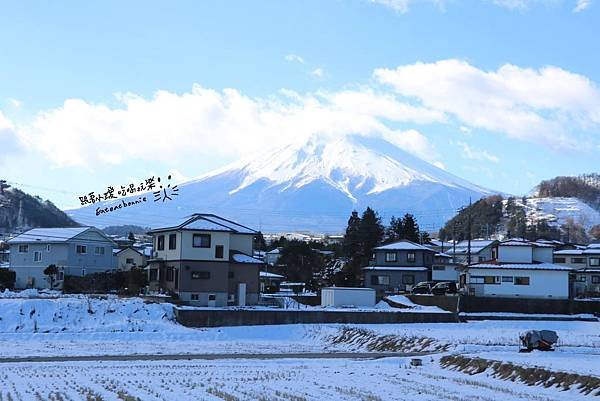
{"x":398,"y":267}
{"x":481,"y":250}
{"x":585,"y":261}
{"x":75,"y":251}
{"x":205,"y":260}
{"x":521,"y":269}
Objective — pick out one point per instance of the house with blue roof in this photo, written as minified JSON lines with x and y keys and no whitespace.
{"x":206,"y":260}
{"x":74,"y":250}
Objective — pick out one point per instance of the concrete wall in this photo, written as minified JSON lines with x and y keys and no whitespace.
{"x":227,"y":317}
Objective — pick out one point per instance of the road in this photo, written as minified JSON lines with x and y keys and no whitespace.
{"x":212,"y":357}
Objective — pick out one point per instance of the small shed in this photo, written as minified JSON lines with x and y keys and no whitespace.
{"x":347,"y":296}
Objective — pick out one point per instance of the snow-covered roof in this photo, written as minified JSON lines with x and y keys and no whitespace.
{"x":207,"y":222}
{"x":270,"y":275}
{"x":397,"y":268}
{"x":48,"y":235}
{"x":442,"y":255}
{"x":273,"y":252}
{"x":519,"y":266}
{"x":404,"y":246}
{"x":569,"y":252}
{"x":243,"y":258}
{"x":476,"y":246}
{"x":515,"y":242}
{"x":348,"y":289}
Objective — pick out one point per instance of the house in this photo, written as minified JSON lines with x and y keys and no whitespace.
{"x":398,"y":266}
{"x":586,"y":264}
{"x":128,"y":258}
{"x":269,"y":282}
{"x":75,"y":251}
{"x":521,"y":269}
{"x":347,"y":296}
{"x":444,"y":269}
{"x":205,"y":260}
{"x":272,"y":257}
{"x":481,"y":250}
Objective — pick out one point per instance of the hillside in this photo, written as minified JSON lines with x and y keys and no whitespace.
{"x":310,"y":185}
{"x":21,"y":210}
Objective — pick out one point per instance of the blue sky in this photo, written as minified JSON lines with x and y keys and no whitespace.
{"x":503,"y":93}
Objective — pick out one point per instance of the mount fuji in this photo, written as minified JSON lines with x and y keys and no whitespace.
{"x":308,"y":186}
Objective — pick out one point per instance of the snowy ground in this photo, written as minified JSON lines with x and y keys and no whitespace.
{"x":91,"y":326}
{"x":558,"y":210}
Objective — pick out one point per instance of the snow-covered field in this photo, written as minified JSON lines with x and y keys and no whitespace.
{"x":558,"y":210}
{"x":80,"y":325}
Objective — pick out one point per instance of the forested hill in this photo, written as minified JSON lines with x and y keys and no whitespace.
{"x":21,"y":210}
{"x":584,"y":187}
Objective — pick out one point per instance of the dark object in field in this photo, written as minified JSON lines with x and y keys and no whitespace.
{"x":538,"y":339}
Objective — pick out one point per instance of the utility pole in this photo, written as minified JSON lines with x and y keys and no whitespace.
{"x":469,"y":234}
{"x":454,"y":242}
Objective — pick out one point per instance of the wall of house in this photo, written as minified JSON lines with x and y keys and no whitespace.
{"x":241,"y":243}
{"x":396,"y":279}
{"x":543,"y":254}
{"x":216,"y":238}
{"x":569,"y":260}
{"x":515,"y":254}
{"x":79,"y":264}
{"x":542,"y":283}
{"x":444,"y":272}
{"x":28,"y":271}
{"x":422,"y":258}
{"x":247,"y":273}
{"x":139,"y":260}
{"x":166,"y":253}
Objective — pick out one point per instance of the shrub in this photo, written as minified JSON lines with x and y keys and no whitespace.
{"x":7,"y":279}
{"x":123,"y":282}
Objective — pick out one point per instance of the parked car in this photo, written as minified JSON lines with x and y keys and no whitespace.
{"x":443,"y":288}
{"x":424,"y":287}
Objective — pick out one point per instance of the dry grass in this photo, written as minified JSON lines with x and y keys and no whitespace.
{"x":367,"y":339}
{"x":531,"y":376}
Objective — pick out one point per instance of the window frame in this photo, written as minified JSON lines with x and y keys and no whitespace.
{"x":47,"y":247}
{"x":522,"y":278}
{"x":200,"y":275}
{"x":160,"y":242}
{"x":170,"y":274}
{"x":596,"y":261}
{"x":37,"y":253}
{"x":578,"y":261}
{"x":81,"y":249}
{"x":99,"y":250}
{"x":406,"y":277}
{"x":559,"y":260}
{"x":508,"y":279}
{"x":411,"y":257}
{"x":391,"y":257}
{"x":198,"y":235}
{"x":595,"y":279}
{"x":25,"y":247}
{"x":222,"y":253}
{"x":172,"y":241}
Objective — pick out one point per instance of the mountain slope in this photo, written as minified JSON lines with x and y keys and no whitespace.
{"x":19,"y":210}
{"x":309,"y":186}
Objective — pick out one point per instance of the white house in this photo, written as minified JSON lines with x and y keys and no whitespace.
{"x":347,"y":296}
{"x":521,"y":269}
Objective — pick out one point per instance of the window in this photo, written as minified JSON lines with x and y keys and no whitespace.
{"x":581,"y":278}
{"x":48,"y":248}
{"x":490,"y":280}
{"x":153,"y":275}
{"x":212,"y":297}
{"x":391,"y":256}
{"x":172,"y":241}
{"x":507,"y":279}
{"x":129,"y":261}
{"x":200,"y":275}
{"x":595,"y":279}
{"x":37,"y":256}
{"x":170,"y":273}
{"x":23,"y":248}
{"x":476,"y":279}
{"x":594,"y":261}
{"x":521,"y":280}
{"x":578,"y":260}
{"x":380,"y":280}
{"x":411,"y":257}
{"x":201,"y":241}
{"x":219,"y":251}
{"x":160,"y":243}
{"x":560,"y":260}
{"x":482,"y":259}
{"x":439,"y":268}
{"x":81,"y":249}
{"x":83,"y":272}
{"x":230,"y":275}
{"x":99,"y":250}
{"x":194,"y":297}
{"x":408,"y":279}
{"x":61,"y":275}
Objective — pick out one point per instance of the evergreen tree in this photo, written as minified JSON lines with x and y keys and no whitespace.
{"x":393,"y":231}
{"x":351,"y":241}
{"x":259,"y":242}
{"x":131,"y":236}
{"x":371,"y":232}
{"x":410,"y":228}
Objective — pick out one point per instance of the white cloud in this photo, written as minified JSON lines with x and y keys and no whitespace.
{"x":546,"y":106}
{"x":582,"y":5}
{"x":206,"y":122}
{"x":477,"y":154}
{"x":400,"y":6}
{"x":8,"y":137}
{"x":16,"y":103}
{"x":317,"y":72}
{"x":294,"y":58}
